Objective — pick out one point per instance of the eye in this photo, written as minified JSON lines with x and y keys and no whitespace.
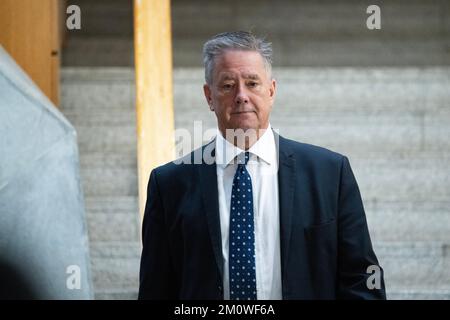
{"x":252,"y":84}
{"x":227,"y":86}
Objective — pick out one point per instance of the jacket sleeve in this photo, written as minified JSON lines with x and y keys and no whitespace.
{"x":355,"y":252}
{"x":156,"y":280}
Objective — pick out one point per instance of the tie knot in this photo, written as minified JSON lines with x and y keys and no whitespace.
{"x":243,"y":159}
{"x":247,"y":157}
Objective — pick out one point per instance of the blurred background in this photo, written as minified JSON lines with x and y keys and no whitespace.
{"x":381,"y":97}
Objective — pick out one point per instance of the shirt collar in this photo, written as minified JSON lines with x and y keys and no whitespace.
{"x":264,"y":149}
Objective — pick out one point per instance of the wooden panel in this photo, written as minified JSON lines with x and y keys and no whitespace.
{"x":154,"y":101}
{"x":29,"y":32}
{"x":62,"y":29}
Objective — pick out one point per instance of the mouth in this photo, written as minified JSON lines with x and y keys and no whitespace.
{"x":242,"y":112}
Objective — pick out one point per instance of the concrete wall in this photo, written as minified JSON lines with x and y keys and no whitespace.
{"x":42,"y":223}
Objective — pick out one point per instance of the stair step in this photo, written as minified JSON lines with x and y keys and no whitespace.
{"x":100,"y":181}
{"x":113,"y":227}
{"x":92,"y":89}
{"x":99,"y":52}
{"x":404,"y":179}
{"x":111,"y":205}
{"x":107,"y":139}
{"x":108,"y":160}
{"x":408,"y":221}
{"x":115,"y":249}
{"x":115,"y":266}
{"x":79,"y":75}
{"x":89,"y":117}
{"x":418,"y":294}
{"x":113,"y":218}
{"x":116,"y":294}
{"x":362,"y":131}
{"x":115,"y":274}
{"x":415,"y":265}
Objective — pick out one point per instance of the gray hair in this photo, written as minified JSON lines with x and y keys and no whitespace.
{"x":237,"y":40}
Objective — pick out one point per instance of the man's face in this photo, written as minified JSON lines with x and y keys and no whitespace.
{"x":241,"y":92}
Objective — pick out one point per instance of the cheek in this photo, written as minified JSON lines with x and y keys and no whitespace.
{"x":263,"y":106}
{"x":262,"y":102}
{"x":223,"y":102}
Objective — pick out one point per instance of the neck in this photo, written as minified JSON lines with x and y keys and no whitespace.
{"x":243,"y":138}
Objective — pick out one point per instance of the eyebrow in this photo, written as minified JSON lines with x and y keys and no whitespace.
{"x":227,"y":77}
{"x":252,"y":76}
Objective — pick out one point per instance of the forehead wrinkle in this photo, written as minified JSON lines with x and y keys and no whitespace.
{"x":245,"y":75}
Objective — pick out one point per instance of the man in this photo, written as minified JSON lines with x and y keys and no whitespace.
{"x":268,"y":218}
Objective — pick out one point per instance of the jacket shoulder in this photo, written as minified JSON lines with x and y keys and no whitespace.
{"x":305,"y":151}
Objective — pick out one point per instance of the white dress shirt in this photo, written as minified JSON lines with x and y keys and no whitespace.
{"x":263,"y":170}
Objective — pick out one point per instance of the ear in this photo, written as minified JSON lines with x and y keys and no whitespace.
{"x":207,"y":92}
{"x":272,"y":89}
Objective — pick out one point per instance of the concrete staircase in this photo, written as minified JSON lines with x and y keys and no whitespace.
{"x":100,"y":104}
{"x":389,"y":112}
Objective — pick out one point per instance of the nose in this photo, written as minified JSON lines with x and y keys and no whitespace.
{"x":241,"y":95}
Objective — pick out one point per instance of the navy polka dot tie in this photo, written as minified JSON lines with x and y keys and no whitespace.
{"x":242,"y":237}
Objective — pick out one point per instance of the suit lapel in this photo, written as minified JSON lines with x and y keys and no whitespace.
{"x":286,"y":188}
{"x":208,"y":184}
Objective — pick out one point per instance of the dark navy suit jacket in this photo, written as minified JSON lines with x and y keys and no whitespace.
{"x":325,"y":242}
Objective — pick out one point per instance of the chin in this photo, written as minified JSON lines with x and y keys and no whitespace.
{"x":246,"y":124}
{"x":246,"y":127}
